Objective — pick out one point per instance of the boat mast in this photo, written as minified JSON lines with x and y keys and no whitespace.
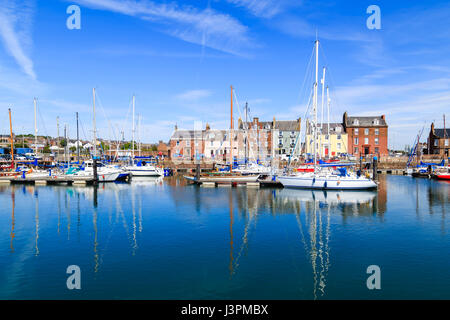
{"x":231,"y":132}
{"x":78,"y":142}
{"x":328,"y":120}
{"x":315,"y":104}
{"x":94,"y":123}
{"x":246,"y":134}
{"x":133,"y":129}
{"x":322,"y":113}
{"x":57,"y":140}
{"x":35,"y":127}
{"x":139,"y":134}
{"x":12,"y":140}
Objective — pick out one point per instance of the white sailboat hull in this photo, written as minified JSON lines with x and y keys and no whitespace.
{"x":327,"y":183}
{"x":145,"y":171}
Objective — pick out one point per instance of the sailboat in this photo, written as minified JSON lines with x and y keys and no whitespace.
{"x":233,"y":176}
{"x":320,"y":177}
{"x":141,"y":168}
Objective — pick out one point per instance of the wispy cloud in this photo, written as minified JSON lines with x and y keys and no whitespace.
{"x":261,"y":8}
{"x":203,"y":27}
{"x":193,"y":95}
{"x":15,"y":22}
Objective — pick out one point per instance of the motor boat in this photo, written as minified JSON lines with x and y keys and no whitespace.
{"x":145,"y":170}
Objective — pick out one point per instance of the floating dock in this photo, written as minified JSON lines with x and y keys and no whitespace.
{"x":44,"y":180}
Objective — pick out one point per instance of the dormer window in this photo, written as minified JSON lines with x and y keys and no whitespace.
{"x":356,"y":122}
{"x":376,"y":122}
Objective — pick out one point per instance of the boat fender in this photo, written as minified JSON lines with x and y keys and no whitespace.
{"x":339,"y":182}
{"x":325,"y":185}
{"x":314,"y":180}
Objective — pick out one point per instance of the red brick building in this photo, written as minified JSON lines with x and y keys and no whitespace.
{"x":366,"y":135}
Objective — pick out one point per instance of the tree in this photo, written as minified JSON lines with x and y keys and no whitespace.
{"x":73,"y":149}
{"x":63,"y":143}
{"x":46,"y":149}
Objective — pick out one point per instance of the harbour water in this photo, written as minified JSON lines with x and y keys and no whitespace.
{"x":163,"y":239}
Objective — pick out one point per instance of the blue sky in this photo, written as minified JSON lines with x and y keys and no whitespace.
{"x":180,"y":57}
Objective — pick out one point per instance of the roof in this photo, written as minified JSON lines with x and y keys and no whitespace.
{"x":366,"y":121}
{"x":286,"y":125}
{"x":281,"y":125}
{"x":440,"y":133}
{"x":200,"y":134}
{"x":335,"y":128}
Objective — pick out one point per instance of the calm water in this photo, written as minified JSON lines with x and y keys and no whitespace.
{"x":164,"y":240}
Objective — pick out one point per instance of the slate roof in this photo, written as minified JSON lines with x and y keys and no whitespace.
{"x":286,"y":125}
{"x":365,"y":122}
{"x":281,"y":125}
{"x":205,"y":134}
{"x":440,"y":133}
{"x":333,"y":128}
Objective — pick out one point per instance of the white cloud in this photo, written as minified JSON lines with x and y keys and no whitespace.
{"x":14,"y":31}
{"x":193,"y":95}
{"x":204,"y":27}
{"x":261,"y":8}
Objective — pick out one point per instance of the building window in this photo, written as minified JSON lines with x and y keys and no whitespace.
{"x":339,"y":137}
{"x":366,"y":140}
{"x":280,"y":141}
{"x":366,"y":131}
{"x":377,"y":132}
{"x":435,"y":143}
{"x":446,"y":142}
{"x":376,"y":141}
{"x":356,"y":141}
{"x":327,"y":137}
{"x":338,"y":129}
{"x":356,"y":122}
{"x":339,"y":146}
{"x":356,"y":150}
{"x":196,"y":143}
{"x":377,"y":150}
{"x":188,"y":143}
{"x":376,"y":122}
{"x":356,"y":131}
{"x":178,"y":142}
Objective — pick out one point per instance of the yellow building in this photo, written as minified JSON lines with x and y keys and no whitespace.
{"x":327,"y":146}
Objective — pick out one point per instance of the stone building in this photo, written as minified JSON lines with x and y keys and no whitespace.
{"x":439,"y":141}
